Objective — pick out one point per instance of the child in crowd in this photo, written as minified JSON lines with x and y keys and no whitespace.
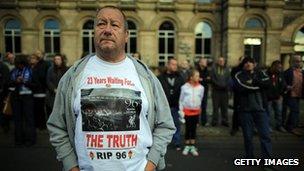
{"x":190,"y":100}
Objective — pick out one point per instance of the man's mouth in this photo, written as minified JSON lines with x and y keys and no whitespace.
{"x":108,"y":40}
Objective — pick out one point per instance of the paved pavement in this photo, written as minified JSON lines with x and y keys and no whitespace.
{"x":217,"y":151}
{"x":216,"y":147}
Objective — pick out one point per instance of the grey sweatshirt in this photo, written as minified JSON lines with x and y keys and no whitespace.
{"x":61,"y":123}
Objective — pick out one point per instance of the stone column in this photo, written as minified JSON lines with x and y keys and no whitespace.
{"x":29,"y":41}
{"x":70,"y":45}
{"x":185,"y":46}
{"x":273,"y":46}
{"x":148,"y":47}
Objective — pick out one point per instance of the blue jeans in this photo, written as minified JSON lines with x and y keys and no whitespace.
{"x":275,"y":106}
{"x":176,"y":140}
{"x":293,"y":104}
{"x":258,"y":119}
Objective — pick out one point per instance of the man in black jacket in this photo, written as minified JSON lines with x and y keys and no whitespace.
{"x":275,"y":92}
{"x":39,"y":68}
{"x":294,"y":77}
{"x":204,"y":80}
{"x":251,"y":84}
{"x":171,"y":82}
{"x":4,"y":78}
{"x":220,"y":77}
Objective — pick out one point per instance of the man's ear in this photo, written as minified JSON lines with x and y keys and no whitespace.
{"x":127,"y":36}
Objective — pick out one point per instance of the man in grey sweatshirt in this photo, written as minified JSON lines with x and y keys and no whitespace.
{"x":65,"y":128}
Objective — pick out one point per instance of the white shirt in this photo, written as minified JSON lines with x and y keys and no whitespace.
{"x":112,"y":131}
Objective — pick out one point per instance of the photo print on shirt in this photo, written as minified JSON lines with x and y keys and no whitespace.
{"x":110,"y":109}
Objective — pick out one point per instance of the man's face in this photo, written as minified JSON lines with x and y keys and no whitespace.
{"x":249,"y":66}
{"x":279,"y":67}
{"x":172,"y":65}
{"x":33,"y":60}
{"x":185,"y":64}
{"x":110,"y":32}
{"x":57,"y":61}
{"x":221,"y":61}
{"x":10,"y":57}
{"x":298,"y":62}
{"x":203,"y":62}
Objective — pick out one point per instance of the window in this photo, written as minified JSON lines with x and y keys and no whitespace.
{"x":131,"y":46}
{"x":204,"y":1}
{"x":299,"y":41}
{"x":12,"y":36}
{"x":166,"y":36}
{"x":203,"y":36}
{"x":253,"y":48}
{"x":51,"y":37}
{"x":88,"y":38}
{"x":253,"y":23}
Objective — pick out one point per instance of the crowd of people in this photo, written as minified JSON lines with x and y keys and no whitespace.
{"x":28,"y":84}
{"x":260,"y":95}
{"x":31,"y":83}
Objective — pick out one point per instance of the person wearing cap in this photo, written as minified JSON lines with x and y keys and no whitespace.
{"x":251,"y":84}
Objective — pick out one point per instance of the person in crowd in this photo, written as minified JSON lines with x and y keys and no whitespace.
{"x":9,"y":60}
{"x":137,"y":55}
{"x":220,"y":77}
{"x":250,"y":84}
{"x":275,"y":93}
{"x":172,"y":82}
{"x":39,"y":68}
{"x":204,"y":81}
{"x":190,"y":100}
{"x":184,"y":69}
{"x":294,"y":77}
{"x":4,"y":78}
{"x":21,"y":79}
{"x":110,"y":103}
{"x":236,"y":97}
{"x":54,"y":74}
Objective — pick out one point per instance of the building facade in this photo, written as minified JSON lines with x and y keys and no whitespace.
{"x":159,"y":29}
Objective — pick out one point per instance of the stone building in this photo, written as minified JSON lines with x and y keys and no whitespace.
{"x":159,"y":29}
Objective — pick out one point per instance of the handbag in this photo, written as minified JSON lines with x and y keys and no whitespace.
{"x":7,"y":109}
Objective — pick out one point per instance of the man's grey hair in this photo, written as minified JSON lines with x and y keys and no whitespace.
{"x":293,"y":58}
{"x":112,"y":7}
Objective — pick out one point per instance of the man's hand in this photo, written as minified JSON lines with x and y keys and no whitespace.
{"x":75,"y":169}
{"x":150,"y":166}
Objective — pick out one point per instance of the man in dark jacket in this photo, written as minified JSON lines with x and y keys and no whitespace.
{"x":250,"y":83}
{"x":220,"y":76}
{"x":4,"y":78}
{"x":275,"y":92}
{"x":236,"y":97}
{"x":39,"y":68}
{"x":204,"y":80}
{"x":294,"y":77}
{"x":171,"y":82}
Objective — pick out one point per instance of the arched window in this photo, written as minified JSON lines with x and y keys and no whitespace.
{"x":166,"y":42}
{"x":88,"y":37}
{"x":12,"y":36}
{"x":254,"y":23}
{"x":51,"y":36}
{"x":131,"y":46}
{"x":203,"y":36}
{"x":253,"y":43}
{"x":299,"y":41}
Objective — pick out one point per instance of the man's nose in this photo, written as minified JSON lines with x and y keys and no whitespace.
{"x":108,"y":29}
